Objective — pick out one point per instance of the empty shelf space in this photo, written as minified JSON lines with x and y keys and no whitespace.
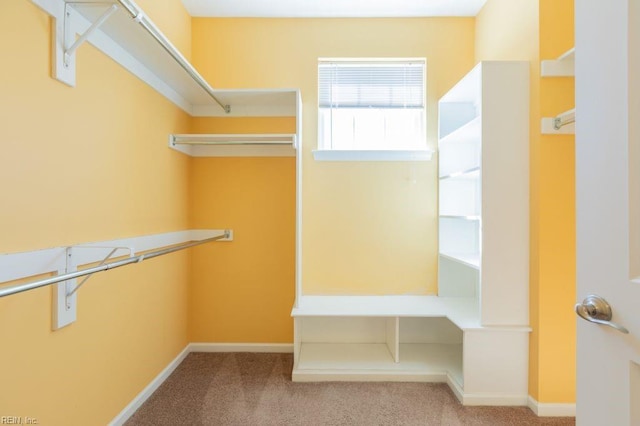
{"x":433,"y":358}
{"x":419,"y":361}
{"x":345,"y":356}
{"x":470,"y":131}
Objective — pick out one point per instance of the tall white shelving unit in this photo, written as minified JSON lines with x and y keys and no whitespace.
{"x":474,"y":335}
{"x":484,"y":191}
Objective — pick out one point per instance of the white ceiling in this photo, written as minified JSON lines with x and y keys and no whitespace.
{"x":332,"y":8}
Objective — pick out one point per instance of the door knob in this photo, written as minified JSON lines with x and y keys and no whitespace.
{"x":595,"y":309}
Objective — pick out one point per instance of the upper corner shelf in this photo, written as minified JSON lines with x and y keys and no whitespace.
{"x":234,"y":145}
{"x":121,"y":30}
{"x":563,"y":66}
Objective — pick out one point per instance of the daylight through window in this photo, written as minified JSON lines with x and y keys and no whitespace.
{"x":371,"y":104}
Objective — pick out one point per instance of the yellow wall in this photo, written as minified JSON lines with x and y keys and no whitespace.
{"x":557,"y":275}
{"x":535,"y":30}
{"x":91,"y":163}
{"x":86,"y":164}
{"x":369,"y":228}
{"x":244,"y":291}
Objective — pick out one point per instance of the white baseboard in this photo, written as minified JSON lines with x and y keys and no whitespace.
{"x":128,"y":411}
{"x":501,"y":400}
{"x":131,"y":408}
{"x":544,"y":409}
{"x":285,"y":348}
{"x":358,"y":375}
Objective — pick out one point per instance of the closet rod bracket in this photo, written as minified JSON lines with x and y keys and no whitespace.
{"x":65,"y":297}
{"x":107,"y":257}
{"x":84,"y":36}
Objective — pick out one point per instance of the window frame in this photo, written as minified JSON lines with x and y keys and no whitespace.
{"x":323,"y":153}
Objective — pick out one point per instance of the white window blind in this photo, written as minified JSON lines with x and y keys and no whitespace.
{"x":371,"y":85}
{"x":366,"y":104}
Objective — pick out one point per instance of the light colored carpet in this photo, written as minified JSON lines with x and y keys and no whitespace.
{"x":256,"y":389}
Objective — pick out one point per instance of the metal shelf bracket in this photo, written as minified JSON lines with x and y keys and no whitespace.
{"x":64,"y":298}
{"x":84,"y":36}
{"x":65,"y":43}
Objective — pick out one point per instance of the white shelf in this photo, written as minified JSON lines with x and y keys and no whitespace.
{"x":419,"y":362}
{"x":460,"y":217}
{"x":460,"y":199}
{"x":472,"y":173}
{"x":234,"y":145}
{"x":469,"y":259}
{"x":128,"y":43}
{"x":563,"y":66}
{"x":463,"y":312}
{"x":372,"y":155}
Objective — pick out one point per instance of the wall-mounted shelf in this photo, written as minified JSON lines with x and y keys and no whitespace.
{"x":234,"y":145}
{"x":563,"y":66}
{"x":64,"y":261}
{"x":121,"y":30}
{"x":563,"y":123}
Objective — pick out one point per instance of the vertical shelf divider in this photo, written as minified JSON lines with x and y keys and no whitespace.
{"x":393,"y":337}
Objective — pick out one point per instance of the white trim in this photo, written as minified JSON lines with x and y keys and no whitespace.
{"x":546,"y":409}
{"x":284,"y":348}
{"x":359,"y":375}
{"x":137,"y":402}
{"x":499,"y":400}
{"x":372,"y":155}
{"x":540,"y":409}
{"x":140,"y":399}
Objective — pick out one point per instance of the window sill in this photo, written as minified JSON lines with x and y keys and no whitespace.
{"x":372,"y":155}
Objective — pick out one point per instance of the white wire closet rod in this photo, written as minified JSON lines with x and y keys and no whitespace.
{"x":564,"y":119}
{"x":138,"y":16}
{"x":19,"y":288}
{"x":232,"y":139}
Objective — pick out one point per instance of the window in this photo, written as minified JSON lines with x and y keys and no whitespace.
{"x":371,"y":105}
